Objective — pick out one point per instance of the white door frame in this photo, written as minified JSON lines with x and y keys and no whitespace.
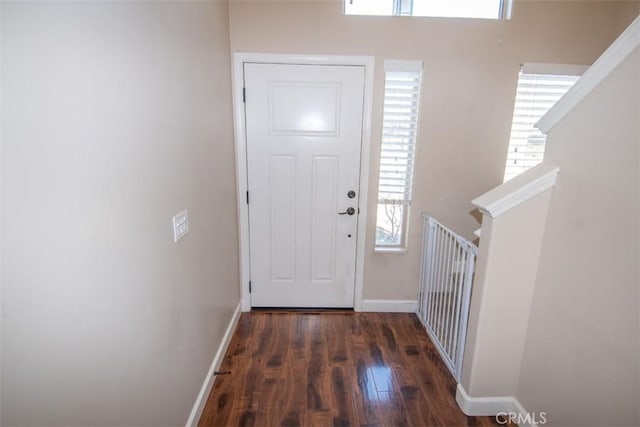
{"x":241,"y":156}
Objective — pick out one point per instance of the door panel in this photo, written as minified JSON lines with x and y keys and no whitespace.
{"x":304,"y":109}
{"x":323,"y":231}
{"x":304,"y":131}
{"x":282,"y":231}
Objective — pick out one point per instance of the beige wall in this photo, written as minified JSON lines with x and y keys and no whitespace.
{"x":470,"y":68}
{"x":116,"y":115}
{"x":627,"y":11}
{"x":581,"y":362}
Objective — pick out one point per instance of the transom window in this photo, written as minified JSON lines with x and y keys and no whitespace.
{"x":486,"y":9}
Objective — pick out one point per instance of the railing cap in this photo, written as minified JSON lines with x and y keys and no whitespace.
{"x":519,"y":189}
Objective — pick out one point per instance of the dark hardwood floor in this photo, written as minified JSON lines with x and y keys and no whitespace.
{"x":340,"y":369}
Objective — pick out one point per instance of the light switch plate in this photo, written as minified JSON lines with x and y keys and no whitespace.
{"x":180,"y":225}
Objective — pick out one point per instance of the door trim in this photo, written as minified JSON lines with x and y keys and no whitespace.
{"x":237,"y":77}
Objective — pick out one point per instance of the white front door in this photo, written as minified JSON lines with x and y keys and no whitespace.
{"x":304,"y":137}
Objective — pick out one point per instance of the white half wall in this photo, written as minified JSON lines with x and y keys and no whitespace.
{"x":582,"y":351}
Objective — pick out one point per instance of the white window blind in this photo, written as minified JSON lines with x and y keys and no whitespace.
{"x":535,"y":95}
{"x":397,"y":154}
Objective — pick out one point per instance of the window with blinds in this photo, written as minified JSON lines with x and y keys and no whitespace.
{"x":397,"y":154}
{"x":537,"y":92}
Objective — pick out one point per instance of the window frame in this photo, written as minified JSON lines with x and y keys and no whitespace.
{"x":391,"y":69}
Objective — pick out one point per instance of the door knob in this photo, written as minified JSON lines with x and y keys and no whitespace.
{"x":349,"y":211}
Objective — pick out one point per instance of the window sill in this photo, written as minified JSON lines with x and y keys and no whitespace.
{"x":389,"y":250}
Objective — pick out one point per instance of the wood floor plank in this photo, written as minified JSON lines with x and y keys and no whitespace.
{"x":342,"y":406}
{"x":316,"y":368}
{"x":419,"y":409}
{"x":336,"y":342}
{"x":333,"y":369}
{"x":365,"y":395}
{"x":272,"y":392}
{"x":393,"y":410}
{"x":294,"y":402}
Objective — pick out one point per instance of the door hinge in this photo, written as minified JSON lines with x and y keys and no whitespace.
{"x":249,"y":286}
{"x":247,"y":197}
{"x":244,"y":95}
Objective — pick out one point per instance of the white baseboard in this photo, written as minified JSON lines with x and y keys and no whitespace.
{"x":201,"y":400}
{"x":389,"y":305}
{"x":483,"y":406}
{"x":525,"y":422}
{"x":491,"y":406}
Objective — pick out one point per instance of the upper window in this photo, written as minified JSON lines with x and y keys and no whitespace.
{"x":487,"y":9}
{"x":540,"y":86}
{"x":397,"y":153}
